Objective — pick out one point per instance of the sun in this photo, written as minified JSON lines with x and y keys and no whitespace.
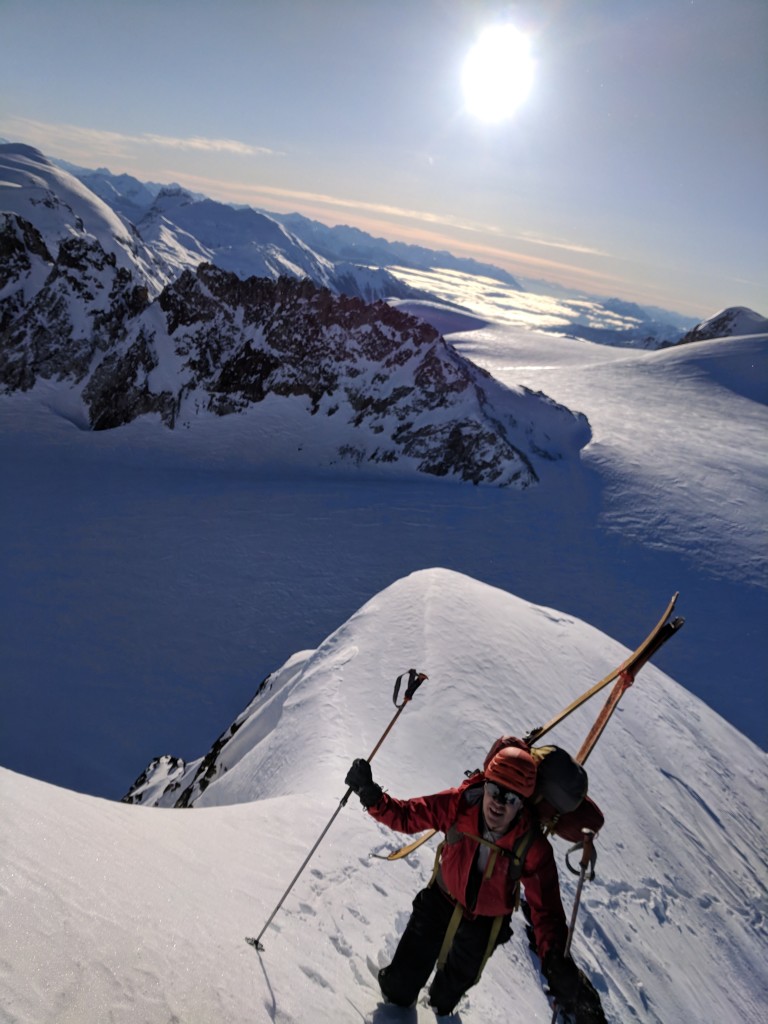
{"x":497,"y":73}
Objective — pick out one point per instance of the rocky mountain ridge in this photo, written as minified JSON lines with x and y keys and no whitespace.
{"x":382,"y":386}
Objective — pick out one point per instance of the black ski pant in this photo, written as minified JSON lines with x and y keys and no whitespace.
{"x":419,"y":948}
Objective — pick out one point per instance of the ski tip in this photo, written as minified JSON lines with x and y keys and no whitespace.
{"x":255,"y":943}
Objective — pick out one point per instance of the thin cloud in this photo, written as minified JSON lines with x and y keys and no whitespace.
{"x":207,"y":145}
{"x":582,"y":250}
{"x":40,"y":134}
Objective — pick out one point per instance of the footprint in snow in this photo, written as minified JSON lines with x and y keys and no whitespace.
{"x":354,"y":912}
{"x":313,"y":975}
{"x":341,"y":945}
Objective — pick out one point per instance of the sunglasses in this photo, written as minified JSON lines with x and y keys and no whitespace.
{"x":503,"y":796}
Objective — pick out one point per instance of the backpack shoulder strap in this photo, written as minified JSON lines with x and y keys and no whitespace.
{"x":517,"y":861}
{"x":519,"y":851}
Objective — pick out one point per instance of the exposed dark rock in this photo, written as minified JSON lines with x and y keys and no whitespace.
{"x":118,"y":392}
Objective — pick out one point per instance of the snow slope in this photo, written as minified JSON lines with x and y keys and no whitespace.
{"x":124,"y":913}
{"x":678,"y":435}
{"x":61,"y":208}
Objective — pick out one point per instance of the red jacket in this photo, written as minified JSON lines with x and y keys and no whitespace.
{"x":460,"y":808}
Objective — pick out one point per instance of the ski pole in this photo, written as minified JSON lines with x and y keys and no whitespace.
{"x":587,"y":858}
{"x":415,"y":679}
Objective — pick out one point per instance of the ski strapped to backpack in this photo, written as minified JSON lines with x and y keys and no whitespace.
{"x":623,"y":676}
{"x":628,"y":669}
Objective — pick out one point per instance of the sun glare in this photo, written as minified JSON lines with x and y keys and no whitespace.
{"x":498,"y":73}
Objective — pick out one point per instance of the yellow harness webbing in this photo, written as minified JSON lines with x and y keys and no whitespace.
{"x":492,"y":939}
{"x":450,"y":934}
{"x":518,"y":855}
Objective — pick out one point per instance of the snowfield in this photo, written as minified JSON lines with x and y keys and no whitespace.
{"x":673,"y":432}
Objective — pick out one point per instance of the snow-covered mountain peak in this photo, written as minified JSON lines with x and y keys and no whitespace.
{"x":242,"y":241}
{"x":731,"y":322}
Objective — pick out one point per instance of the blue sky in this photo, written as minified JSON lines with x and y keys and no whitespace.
{"x":635,"y":167}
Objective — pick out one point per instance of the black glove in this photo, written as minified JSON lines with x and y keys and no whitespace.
{"x":360,"y":780}
{"x":563,"y":977}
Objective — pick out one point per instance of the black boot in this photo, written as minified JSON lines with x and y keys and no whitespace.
{"x":391,"y":996}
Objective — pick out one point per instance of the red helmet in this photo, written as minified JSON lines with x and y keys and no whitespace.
{"x":513,"y":768}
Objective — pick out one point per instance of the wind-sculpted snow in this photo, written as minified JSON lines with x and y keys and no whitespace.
{"x":364,"y":383}
{"x":672,"y":929}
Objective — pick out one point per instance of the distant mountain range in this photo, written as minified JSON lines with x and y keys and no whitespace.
{"x":185,"y":229}
{"x":90,"y":303}
{"x":188,"y":228}
{"x":182,"y":229}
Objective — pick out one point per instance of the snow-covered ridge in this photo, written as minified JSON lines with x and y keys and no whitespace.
{"x":674,"y":926}
{"x":63,"y":210}
{"x":242,"y":241}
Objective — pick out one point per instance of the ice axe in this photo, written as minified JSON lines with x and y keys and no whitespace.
{"x":415,"y":679}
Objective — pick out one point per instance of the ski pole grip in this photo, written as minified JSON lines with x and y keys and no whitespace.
{"x":415,"y":679}
{"x":588,"y":855}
